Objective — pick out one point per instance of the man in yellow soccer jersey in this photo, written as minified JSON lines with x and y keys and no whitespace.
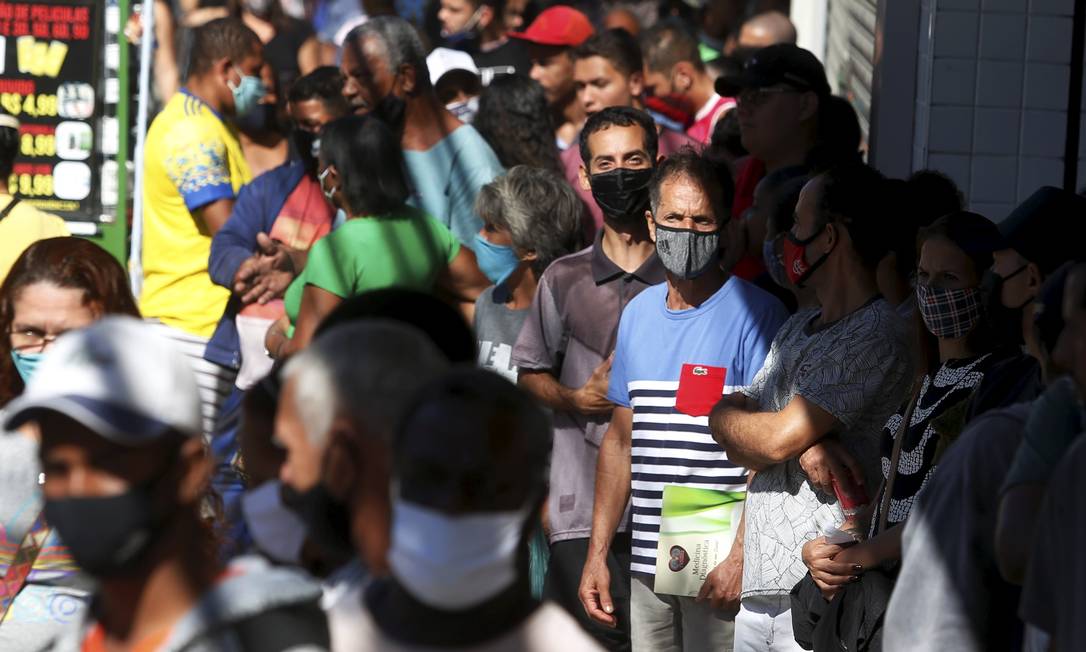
{"x":193,"y":170}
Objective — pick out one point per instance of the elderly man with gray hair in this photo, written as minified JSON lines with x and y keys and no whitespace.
{"x":385,"y":72}
{"x":341,"y":400}
{"x":531,"y":217}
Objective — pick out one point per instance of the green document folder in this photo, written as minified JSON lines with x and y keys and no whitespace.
{"x":697,"y":528}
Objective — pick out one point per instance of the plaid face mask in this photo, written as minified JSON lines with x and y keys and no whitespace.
{"x":948,"y":314}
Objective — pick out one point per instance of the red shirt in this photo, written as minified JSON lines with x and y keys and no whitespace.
{"x":304,"y":218}
{"x":706,"y":117}
{"x":750,"y":172}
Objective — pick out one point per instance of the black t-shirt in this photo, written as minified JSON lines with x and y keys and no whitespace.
{"x":281,"y":52}
{"x":511,"y":54}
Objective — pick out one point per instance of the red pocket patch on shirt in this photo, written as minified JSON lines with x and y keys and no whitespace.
{"x":700,"y":388}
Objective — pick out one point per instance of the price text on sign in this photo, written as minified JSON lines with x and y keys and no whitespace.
{"x":50,"y":55}
{"x":32,"y":105}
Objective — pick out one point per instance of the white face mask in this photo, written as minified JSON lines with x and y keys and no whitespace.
{"x":277,"y":531}
{"x":465,"y":111}
{"x":454,"y":562}
{"x":329,"y":194}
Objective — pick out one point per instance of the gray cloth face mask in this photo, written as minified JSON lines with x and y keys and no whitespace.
{"x":687,"y":253}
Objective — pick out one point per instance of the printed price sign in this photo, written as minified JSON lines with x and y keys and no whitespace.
{"x":49,"y":51}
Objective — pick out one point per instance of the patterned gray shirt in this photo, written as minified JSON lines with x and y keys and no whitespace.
{"x":858,"y":369}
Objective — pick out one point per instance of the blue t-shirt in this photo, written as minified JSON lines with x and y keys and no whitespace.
{"x":447,"y":179}
{"x":671,"y":367}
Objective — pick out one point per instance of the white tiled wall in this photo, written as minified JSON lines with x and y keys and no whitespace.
{"x":991,"y":101}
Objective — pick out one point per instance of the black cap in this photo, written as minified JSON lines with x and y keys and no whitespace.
{"x":783,"y":63}
{"x":1048,"y":228}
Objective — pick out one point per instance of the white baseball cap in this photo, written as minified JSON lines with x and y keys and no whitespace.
{"x":442,"y":60}
{"x":118,"y":377}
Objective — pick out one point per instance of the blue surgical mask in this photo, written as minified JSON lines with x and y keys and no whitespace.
{"x":26,"y":364}
{"x":452,"y":562}
{"x":247,"y":93}
{"x":496,"y":261}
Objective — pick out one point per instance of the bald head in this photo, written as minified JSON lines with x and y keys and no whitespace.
{"x":767,"y":29}
{"x":620,"y":18}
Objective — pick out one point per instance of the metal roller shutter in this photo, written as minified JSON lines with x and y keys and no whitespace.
{"x":850,"y":53}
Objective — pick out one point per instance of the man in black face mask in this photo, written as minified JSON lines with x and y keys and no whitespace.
{"x":1042,"y":233}
{"x":257,"y":253}
{"x":385,"y":73}
{"x":340,"y":399}
{"x":681,"y":345}
{"x":117,"y":410}
{"x":563,"y":352}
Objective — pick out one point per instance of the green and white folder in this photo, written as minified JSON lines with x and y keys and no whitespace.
{"x":697,"y":528}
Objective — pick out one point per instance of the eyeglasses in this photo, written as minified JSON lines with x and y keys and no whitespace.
{"x":755,"y":97}
{"x":31,"y":340}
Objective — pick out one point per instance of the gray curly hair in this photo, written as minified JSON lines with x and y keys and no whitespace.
{"x":401,"y":44}
{"x":539,"y":208}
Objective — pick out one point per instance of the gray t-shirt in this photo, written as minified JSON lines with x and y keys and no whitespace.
{"x":1054,"y":594}
{"x":571,"y":328}
{"x":859,"y":370}
{"x":1048,"y":435}
{"x":496,"y":329}
{"x":949,"y":594}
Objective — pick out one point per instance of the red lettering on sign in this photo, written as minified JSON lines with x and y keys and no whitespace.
{"x":61,"y":31}
{"x":37,"y":129}
{"x":20,"y":28}
{"x":20,"y":86}
{"x":41,"y":30}
{"x":81,"y":32}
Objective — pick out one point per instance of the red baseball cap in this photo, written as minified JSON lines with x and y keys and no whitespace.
{"x":559,"y":25}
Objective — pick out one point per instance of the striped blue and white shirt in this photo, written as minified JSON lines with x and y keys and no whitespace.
{"x":670,"y":368}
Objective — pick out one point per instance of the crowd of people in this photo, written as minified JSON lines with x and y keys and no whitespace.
{"x":443,"y":307}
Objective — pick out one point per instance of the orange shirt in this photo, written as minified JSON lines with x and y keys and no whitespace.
{"x":96,"y":641}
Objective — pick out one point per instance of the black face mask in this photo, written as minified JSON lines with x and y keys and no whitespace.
{"x":1005,"y":322}
{"x":302,"y":142}
{"x":392,"y":110}
{"x":622,"y":193}
{"x":326,"y":518}
{"x":107,"y":536}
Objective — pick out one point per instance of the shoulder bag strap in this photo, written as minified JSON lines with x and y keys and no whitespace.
{"x":7,"y":209}
{"x":22,"y":563}
{"x":895,"y":457}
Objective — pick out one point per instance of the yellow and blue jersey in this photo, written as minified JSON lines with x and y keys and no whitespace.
{"x":192,"y":158}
